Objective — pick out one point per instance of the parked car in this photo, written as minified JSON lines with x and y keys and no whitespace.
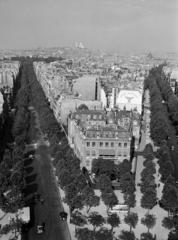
{"x":119,"y":208}
{"x":63,"y":216}
{"x":40,"y":228}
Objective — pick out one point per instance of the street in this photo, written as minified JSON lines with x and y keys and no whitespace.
{"x":47,"y":212}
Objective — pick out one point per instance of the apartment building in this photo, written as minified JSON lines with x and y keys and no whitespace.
{"x":93,"y":134}
{"x":8,"y":72}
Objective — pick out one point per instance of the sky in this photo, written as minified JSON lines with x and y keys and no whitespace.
{"x":112,"y":25}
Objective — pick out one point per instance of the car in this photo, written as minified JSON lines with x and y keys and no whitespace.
{"x":31,"y":156}
{"x":40,"y":228}
{"x":63,"y":216}
{"x":37,"y":197}
{"x":119,"y":208}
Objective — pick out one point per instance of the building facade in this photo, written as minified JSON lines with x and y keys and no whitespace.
{"x":97,"y":134}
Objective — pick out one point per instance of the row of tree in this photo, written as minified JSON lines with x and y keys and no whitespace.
{"x":148,"y":186}
{"x":163,"y":132}
{"x":12,"y":174}
{"x":127,"y":183}
{"x":99,"y":232}
{"x":168,"y":96}
{"x":159,"y":125}
{"x":162,"y":129}
{"x":170,"y":100}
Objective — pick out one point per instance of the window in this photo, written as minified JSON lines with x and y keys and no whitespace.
{"x":125,"y":154}
{"x":93,"y":144}
{"x":106,"y":144}
{"x":112,"y":144}
{"x":87,"y":163}
{"x":101,"y":144}
{"x":110,"y":134}
{"x":93,"y":153}
{"x":119,"y":154}
{"x":125,"y":144}
{"x":119,"y":144}
{"x":88,"y":153}
{"x":88,"y":144}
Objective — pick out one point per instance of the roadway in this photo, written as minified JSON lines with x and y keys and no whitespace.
{"x":47,"y":187}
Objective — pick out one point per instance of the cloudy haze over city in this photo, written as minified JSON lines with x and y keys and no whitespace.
{"x":114,"y":25}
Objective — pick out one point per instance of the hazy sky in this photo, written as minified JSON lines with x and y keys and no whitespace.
{"x":120,"y":25}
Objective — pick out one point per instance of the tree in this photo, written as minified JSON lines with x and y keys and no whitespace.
{"x":173,"y":105}
{"x":147,"y":236}
{"x":79,"y":181}
{"x":148,"y":171}
{"x":84,"y":233}
{"x":149,"y":221}
{"x":166,"y":169}
{"x":173,"y":235}
{"x":130,"y":200}
{"x":109,"y":199}
{"x":124,"y":167}
{"x":148,"y":149}
{"x":168,"y":223}
{"x":14,"y":226}
{"x":104,"y":182}
{"x":170,"y":197}
{"x":78,"y":219}
{"x":104,"y":166}
{"x":103,"y":233}
{"x":149,"y":198}
{"x":113,"y":220}
{"x":127,"y":184}
{"x":131,"y":219}
{"x":72,"y":197}
{"x":159,"y":128}
{"x":148,"y":164}
{"x":126,"y":235}
{"x":65,"y":178}
{"x":96,"y":220}
{"x":90,"y":199}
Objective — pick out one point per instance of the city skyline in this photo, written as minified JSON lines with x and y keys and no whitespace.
{"x":112,"y":25}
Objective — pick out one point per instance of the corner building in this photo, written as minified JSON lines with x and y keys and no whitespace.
{"x":93,"y":134}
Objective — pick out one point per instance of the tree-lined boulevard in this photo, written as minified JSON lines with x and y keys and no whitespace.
{"x":37,"y":160}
